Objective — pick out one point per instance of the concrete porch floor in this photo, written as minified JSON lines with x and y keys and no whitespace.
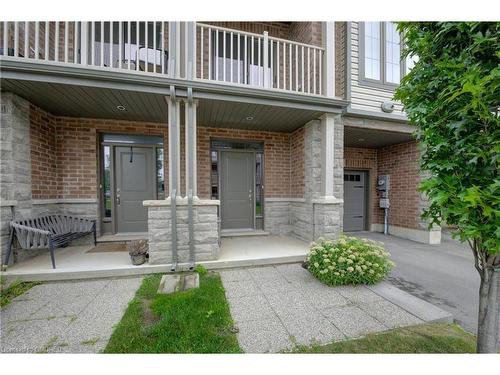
{"x":75,"y":262}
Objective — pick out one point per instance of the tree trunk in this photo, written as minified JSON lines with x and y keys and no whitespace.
{"x":489,"y":312}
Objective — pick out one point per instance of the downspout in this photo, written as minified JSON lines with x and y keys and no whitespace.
{"x":190,"y":149}
{"x":173,"y":193}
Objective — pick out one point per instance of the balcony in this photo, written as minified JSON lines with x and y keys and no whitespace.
{"x":180,"y":50}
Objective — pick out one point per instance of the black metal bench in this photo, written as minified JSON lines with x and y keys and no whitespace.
{"x":49,"y":231}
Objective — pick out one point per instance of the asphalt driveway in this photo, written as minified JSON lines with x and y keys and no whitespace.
{"x":443,"y":275}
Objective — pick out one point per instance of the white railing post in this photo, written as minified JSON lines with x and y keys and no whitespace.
{"x":16,"y":39}
{"x":328,"y":76}
{"x":84,"y":43}
{"x":174,"y":43}
{"x":191,"y":50}
{"x":265,"y":56}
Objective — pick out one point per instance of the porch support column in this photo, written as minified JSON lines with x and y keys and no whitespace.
{"x":329,"y":59}
{"x":190,"y":132}
{"x":174,"y":160}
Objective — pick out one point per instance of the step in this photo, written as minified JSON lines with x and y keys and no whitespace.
{"x":242,"y":233}
{"x":122,"y":237}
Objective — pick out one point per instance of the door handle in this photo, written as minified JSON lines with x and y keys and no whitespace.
{"x":118,"y":196}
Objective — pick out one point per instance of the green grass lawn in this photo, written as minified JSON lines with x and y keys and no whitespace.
{"x":8,"y":293}
{"x":194,"y":321}
{"x":427,"y":338}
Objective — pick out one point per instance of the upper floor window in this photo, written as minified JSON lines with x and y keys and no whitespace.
{"x":380,"y":54}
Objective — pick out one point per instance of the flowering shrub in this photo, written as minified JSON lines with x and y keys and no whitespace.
{"x":350,"y":260}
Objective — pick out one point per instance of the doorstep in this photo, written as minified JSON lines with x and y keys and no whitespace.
{"x":122,"y":237}
{"x":242,"y":233}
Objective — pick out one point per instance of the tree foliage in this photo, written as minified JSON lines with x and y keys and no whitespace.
{"x":452,"y":95}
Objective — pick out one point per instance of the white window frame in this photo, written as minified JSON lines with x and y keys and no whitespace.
{"x":382,"y":82}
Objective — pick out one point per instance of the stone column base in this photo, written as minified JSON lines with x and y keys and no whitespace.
{"x":206,"y":230}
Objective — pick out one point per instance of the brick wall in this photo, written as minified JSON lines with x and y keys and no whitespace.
{"x":276,"y":158}
{"x":44,"y":176}
{"x":65,"y":155}
{"x":64,"y":152}
{"x":400,"y":161}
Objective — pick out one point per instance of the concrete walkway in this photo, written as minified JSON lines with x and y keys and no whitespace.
{"x":281,"y":306}
{"x":65,"y":317}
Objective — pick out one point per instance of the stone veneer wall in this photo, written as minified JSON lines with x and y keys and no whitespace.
{"x":312,"y":216}
{"x":206,"y":230}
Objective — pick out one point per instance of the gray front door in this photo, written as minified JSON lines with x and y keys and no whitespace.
{"x":354,"y":201}
{"x":237,"y":190}
{"x":135,"y":182}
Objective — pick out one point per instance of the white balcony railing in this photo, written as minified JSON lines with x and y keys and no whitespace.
{"x":238,"y":57}
{"x":132,"y":46}
{"x":223,"y":55}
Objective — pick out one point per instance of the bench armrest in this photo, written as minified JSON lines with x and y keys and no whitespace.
{"x":29,"y":229}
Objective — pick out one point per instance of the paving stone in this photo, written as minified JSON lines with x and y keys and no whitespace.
{"x":67,"y":288}
{"x":322,"y":296}
{"x":275,"y":285}
{"x":248,"y":308}
{"x":32,"y":335}
{"x":295,"y":273}
{"x":358,"y":294}
{"x":263,"y":336}
{"x":308,"y":330}
{"x":241,"y":288}
{"x":169,"y":284}
{"x":69,"y":313}
{"x":291,"y":303}
{"x":64,"y":305}
{"x":352,"y":321}
{"x":21,"y":309}
{"x":389,"y":314}
{"x":235,"y":275}
{"x":261,"y":273}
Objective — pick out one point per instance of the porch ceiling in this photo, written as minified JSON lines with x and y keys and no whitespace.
{"x":228,"y":114}
{"x":373,"y":138}
{"x":92,"y":102}
{"x":101,"y":102}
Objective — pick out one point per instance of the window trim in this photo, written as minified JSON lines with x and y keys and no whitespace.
{"x":382,"y":83}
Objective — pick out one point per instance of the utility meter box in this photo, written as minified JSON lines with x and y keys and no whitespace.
{"x":383,"y":182}
{"x":384,"y":203}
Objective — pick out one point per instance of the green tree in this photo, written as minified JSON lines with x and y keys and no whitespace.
{"x":452,"y":95}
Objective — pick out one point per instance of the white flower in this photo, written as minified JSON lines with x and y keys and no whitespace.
{"x":349,"y":261}
{"x":316,"y":264}
{"x":336,"y":274}
{"x":350,"y":269}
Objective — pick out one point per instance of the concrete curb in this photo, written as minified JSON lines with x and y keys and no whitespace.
{"x":414,"y":305}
